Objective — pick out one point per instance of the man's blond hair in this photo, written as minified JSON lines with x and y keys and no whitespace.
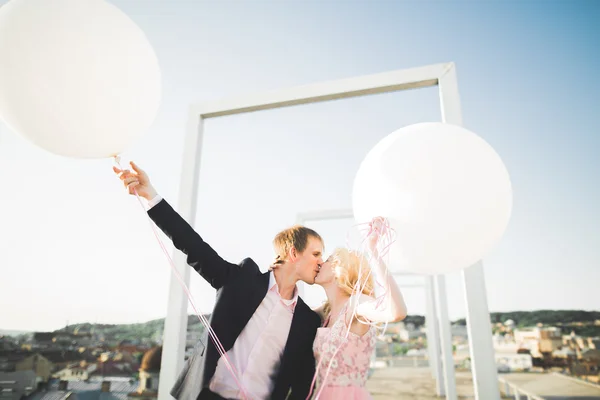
{"x":295,"y":237}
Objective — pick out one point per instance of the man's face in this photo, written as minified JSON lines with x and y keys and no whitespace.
{"x":307,"y":263}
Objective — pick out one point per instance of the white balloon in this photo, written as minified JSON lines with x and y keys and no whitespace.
{"x":445,"y":191}
{"x":77,"y":77}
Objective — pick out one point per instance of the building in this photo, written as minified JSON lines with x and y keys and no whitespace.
{"x":11,"y":361}
{"x":513,"y":362}
{"x":539,"y":340}
{"x":8,"y":343}
{"x":42,"y":340}
{"x":408,"y":332}
{"x":63,"y":358}
{"x":460,"y":334}
{"x":81,"y":371}
{"x":40,"y":365}
{"x":149,"y":375}
{"x":95,"y":389}
{"x":17,"y":385}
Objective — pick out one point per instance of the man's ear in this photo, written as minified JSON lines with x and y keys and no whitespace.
{"x":292,"y":254}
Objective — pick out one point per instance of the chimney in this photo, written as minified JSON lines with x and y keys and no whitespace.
{"x":105,"y":387}
{"x":63,"y":385}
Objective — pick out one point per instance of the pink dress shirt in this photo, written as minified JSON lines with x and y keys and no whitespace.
{"x":258,"y":348}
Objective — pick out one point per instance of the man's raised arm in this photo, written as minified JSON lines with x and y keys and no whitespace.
{"x":200,"y":256}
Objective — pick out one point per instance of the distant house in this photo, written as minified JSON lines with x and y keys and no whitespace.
{"x":11,"y":361}
{"x":565,"y":352}
{"x":83,"y":337}
{"x":7,"y":343}
{"x":416,"y":353}
{"x":40,"y":365}
{"x":591,"y":355}
{"x":513,"y":362}
{"x":459,"y":333}
{"x":114,"y":369}
{"x":112,"y":388}
{"x":42,"y":340}
{"x":409,"y":331}
{"x":103,"y":389}
{"x":64,"y":339}
{"x":149,"y":375}
{"x":539,"y":340}
{"x":588,"y":364}
{"x":63,"y":358}
{"x":16,"y":385}
{"x":76,"y":372}
{"x":9,"y":358}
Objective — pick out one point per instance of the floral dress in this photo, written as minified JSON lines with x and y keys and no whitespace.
{"x":348,"y":358}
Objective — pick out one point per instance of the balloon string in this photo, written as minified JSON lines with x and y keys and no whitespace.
{"x":344,"y":340}
{"x":386,"y":239}
{"x":201,"y":317}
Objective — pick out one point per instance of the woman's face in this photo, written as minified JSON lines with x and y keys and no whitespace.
{"x":326,"y":273}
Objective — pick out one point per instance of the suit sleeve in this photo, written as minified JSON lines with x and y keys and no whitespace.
{"x":301,"y":387}
{"x":200,"y":255}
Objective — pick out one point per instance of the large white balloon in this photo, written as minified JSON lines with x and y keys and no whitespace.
{"x":77,"y":77}
{"x":445,"y":191}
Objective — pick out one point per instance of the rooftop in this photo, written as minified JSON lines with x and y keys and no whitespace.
{"x":416,"y":383}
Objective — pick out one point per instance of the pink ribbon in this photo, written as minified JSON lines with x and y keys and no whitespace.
{"x":381,"y":227}
{"x":201,"y":317}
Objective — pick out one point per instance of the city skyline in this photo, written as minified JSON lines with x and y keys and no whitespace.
{"x":76,"y":247}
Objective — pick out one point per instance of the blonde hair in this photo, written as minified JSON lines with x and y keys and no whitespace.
{"x":295,"y":237}
{"x":351,"y":269}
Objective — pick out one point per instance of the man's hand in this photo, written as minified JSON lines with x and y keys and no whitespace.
{"x":136,"y":181}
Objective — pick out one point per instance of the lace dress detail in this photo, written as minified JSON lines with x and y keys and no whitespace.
{"x":348,"y":357}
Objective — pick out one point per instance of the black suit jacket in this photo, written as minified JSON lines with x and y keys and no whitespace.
{"x":240,"y":289}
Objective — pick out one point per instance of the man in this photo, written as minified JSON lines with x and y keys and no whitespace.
{"x":267,"y":331}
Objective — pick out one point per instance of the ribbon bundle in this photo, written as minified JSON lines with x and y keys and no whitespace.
{"x":378,"y":229}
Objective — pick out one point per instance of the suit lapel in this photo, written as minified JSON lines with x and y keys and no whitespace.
{"x":296,"y":329}
{"x":252,"y":300}
{"x":234,"y":308}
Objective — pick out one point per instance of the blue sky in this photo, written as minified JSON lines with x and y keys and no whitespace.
{"x":76,"y":248}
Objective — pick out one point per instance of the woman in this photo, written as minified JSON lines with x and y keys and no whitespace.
{"x":345,"y":342}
